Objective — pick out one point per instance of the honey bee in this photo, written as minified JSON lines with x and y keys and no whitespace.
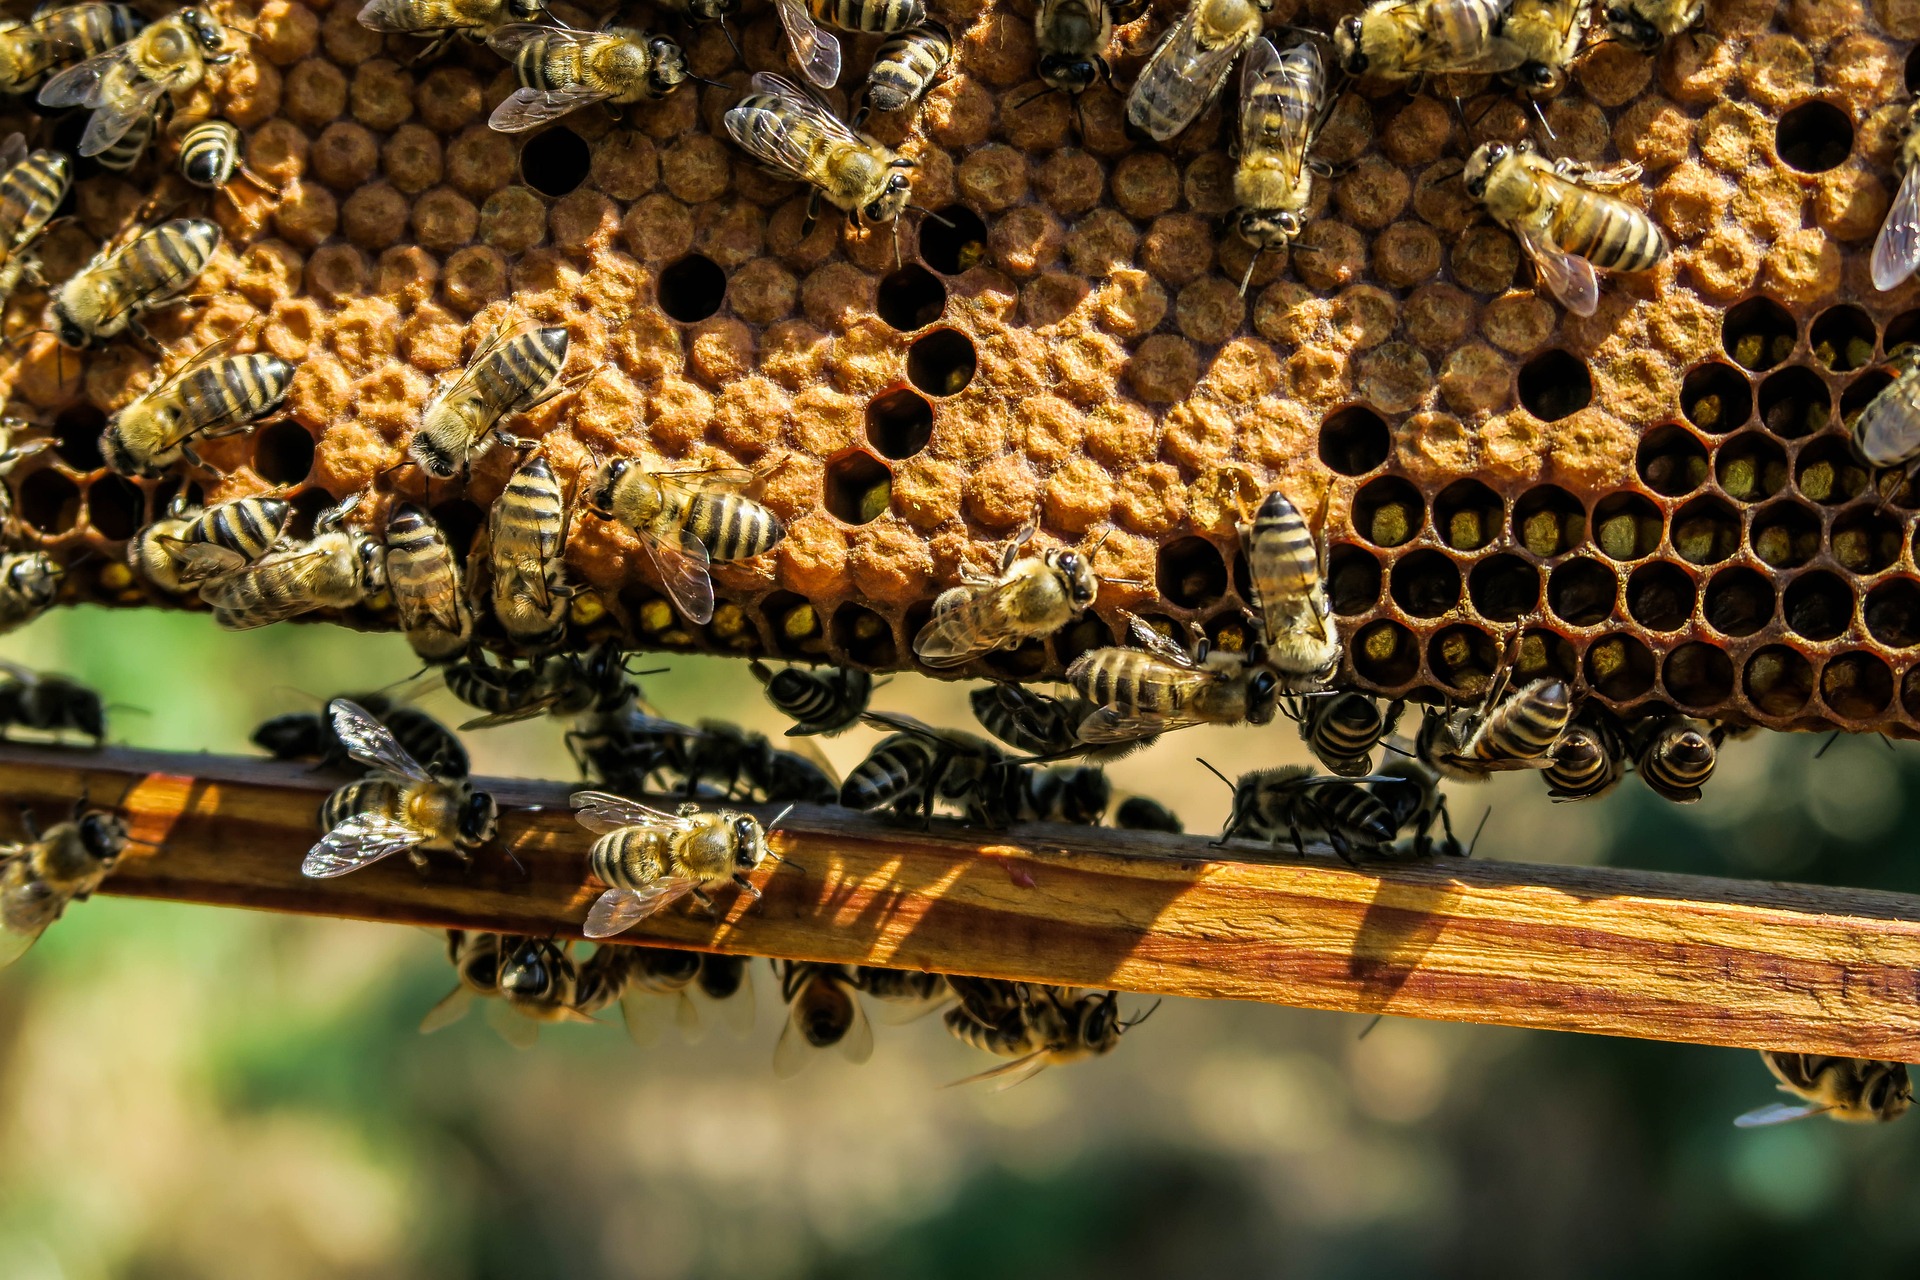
{"x":208,"y":398}
{"x":561,"y":684}
{"x":168,"y":554}
{"x":398,"y":808}
{"x":658,"y":983}
{"x":817,"y":52}
{"x":1191,"y":63}
{"x":1036,"y":1026}
{"x":1566,"y":227}
{"x":540,"y":982}
{"x":1283,"y":100}
{"x":1031,"y":597}
{"x":125,"y":84}
{"x":1887,"y":432}
{"x":1547,"y":34}
{"x":63,"y":864}
{"x":210,"y":156}
{"x":561,"y":70}
{"x":818,"y":702}
{"x":917,"y":766}
{"x":28,"y":582}
{"x":823,"y":1011}
{"x":309,"y":735}
{"x":335,"y":569}
{"x":1587,"y":762}
{"x":476,"y":959}
{"x":1295,"y":803}
{"x":30,"y":190}
{"x":1515,"y":732}
{"x":1854,"y":1090}
{"x":1407,"y":39}
{"x":650,"y":860}
{"x":107,"y":295}
{"x":526,"y":544}
{"x":746,"y":766}
{"x":49,"y":703}
{"x":686,"y":520}
{"x":1412,"y":796}
{"x":1139,"y":693}
{"x":55,"y":37}
{"x":1014,"y":791}
{"x":1642,"y":25}
{"x":782,"y":126}
{"x":443,"y":19}
{"x":1140,"y":813}
{"x":1676,"y":758}
{"x":126,"y":152}
{"x":913,"y":991}
{"x":511,"y":372}
{"x":1290,"y":593}
{"x":1896,"y":250}
{"x":1071,"y":37}
{"x":1342,"y":730}
{"x":905,"y":68}
{"x":13,"y":450}
{"x":428,"y":589}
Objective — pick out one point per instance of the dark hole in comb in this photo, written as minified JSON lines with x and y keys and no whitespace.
{"x":692,"y":288}
{"x":1354,"y":440}
{"x":49,"y":501}
{"x":1555,"y":384}
{"x":954,"y":240}
{"x":114,"y":507}
{"x":1779,"y":681}
{"x":1818,"y":605}
{"x":1715,"y":397}
{"x":1504,"y":588}
{"x":899,"y":423}
{"x":1794,"y":403}
{"x":1843,"y":338}
{"x":556,"y":161}
{"x":460,"y":521}
{"x":76,"y":436}
{"x":1385,"y":653}
{"x":1353,"y":579}
{"x":1671,"y":460}
{"x":1738,"y":602}
{"x":910,"y":298}
{"x":858,"y":487}
{"x":1426,"y":583}
{"x":864,"y":636}
{"x":941,"y":363}
{"x":283,"y":453}
{"x":1814,"y":137}
{"x":1699,"y":675}
{"x":1191,"y":573}
{"x":1581,"y":592}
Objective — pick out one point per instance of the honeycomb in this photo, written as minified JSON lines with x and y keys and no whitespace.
{"x":1659,"y":500}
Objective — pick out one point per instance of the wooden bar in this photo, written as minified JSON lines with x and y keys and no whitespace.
{"x":1658,"y":956}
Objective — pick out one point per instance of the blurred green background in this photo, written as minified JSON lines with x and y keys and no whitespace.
{"x":200,"y":1093}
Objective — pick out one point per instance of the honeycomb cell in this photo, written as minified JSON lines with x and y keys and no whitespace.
{"x":910,"y":298}
{"x":1660,"y":596}
{"x":1716,"y":397}
{"x":1750,"y":467}
{"x":1671,"y":461}
{"x":1191,"y":573}
{"x":1463,"y":658}
{"x":899,"y":423}
{"x":1842,"y":338}
{"x":1738,"y":602}
{"x":1699,"y":676}
{"x":1813,"y":137}
{"x":1778,"y":681}
{"x":1828,"y":472}
{"x":115,"y":507}
{"x":1081,"y":636}
{"x":1581,"y":592}
{"x":941,"y":363}
{"x":1795,"y":403}
{"x":858,"y":487}
{"x":1385,"y":653}
{"x":49,"y":501}
{"x":692,"y":288}
{"x":76,"y":436}
{"x":1626,"y":526}
{"x":863,"y":636}
{"x":1504,"y":588}
{"x":1818,"y":605}
{"x":1555,"y":384}
{"x":1758,"y":333}
{"x":283,"y":453}
{"x":1866,"y":539}
{"x":1547,"y":520}
{"x":1467,"y":515}
{"x":1786,"y":534}
{"x":1388,"y":512}
{"x":1892,"y":613}
{"x":1353,"y":579}
{"x":1545,"y":655}
{"x":1354,"y":440}
{"x":1706,"y":531}
{"x":1861,"y":392}
{"x":1426,"y":584}
{"x":1902,"y":330}
{"x":556,"y":161}
{"x":1620,"y":668}
{"x":1857,"y":685}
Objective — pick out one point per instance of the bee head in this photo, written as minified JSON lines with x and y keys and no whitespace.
{"x":1536,"y":79}
{"x":206,"y":30}
{"x":669,"y":64}
{"x":103,"y":835}
{"x":749,"y":845}
{"x":1263,"y":690}
{"x":373,"y":563}
{"x":1630,"y":29}
{"x":1480,"y":167}
{"x":1078,"y":572}
{"x":67,"y":328}
{"x":1891,"y":1093}
{"x":605,"y":480}
{"x":1095,"y":1021}
{"x":893,"y":196}
{"x":530,"y":969}
{"x":1069,"y":75}
{"x":479,"y":818}
{"x":1265,"y":230}
{"x":1346,"y":47}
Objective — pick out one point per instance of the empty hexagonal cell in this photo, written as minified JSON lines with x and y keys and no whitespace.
{"x":1758,"y":333}
{"x":1818,"y":605}
{"x":1626,"y":526}
{"x":910,"y":298}
{"x":1353,"y":579}
{"x":1555,"y":384}
{"x":1786,"y":534}
{"x":864,"y":636}
{"x":305,"y":508}
{"x":1463,"y":658}
{"x":1191,"y":573}
{"x":1843,"y":338}
{"x":1620,"y":668}
{"x":899,"y":423}
{"x":941,"y":363}
{"x":76,"y":437}
{"x":1385,"y":653}
{"x":1738,"y":601}
{"x":1504,"y":588}
{"x":1547,"y":520}
{"x":1779,"y":682}
{"x":1902,"y":330}
{"x":692,"y":288}
{"x":283,"y":452}
{"x":1467,"y":515}
{"x":1814,"y":136}
{"x":1087,"y":632}
{"x":556,"y":161}
{"x":1426,"y":584}
{"x":460,"y":521}
{"x":1911,"y":74}
{"x":1716,"y":397}
{"x":1866,"y":539}
{"x":115,"y":506}
{"x":1706,"y":531}
{"x":1829,"y":472}
{"x":953,"y":240}
{"x":1354,"y":440}
{"x":858,"y":487}
{"x":1751,"y":466}
{"x":49,"y":501}
{"x":1388,"y":512}
{"x":1857,"y":685}
{"x":1660,"y":596}
{"x":1699,"y":676}
{"x":1671,"y":460}
{"x":1581,"y":592}
{"x":1892,"y":613}
{"x":1545,"y":655}
{"x":1795,"y":402}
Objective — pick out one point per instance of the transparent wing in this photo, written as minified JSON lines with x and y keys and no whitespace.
{"x":1156,"y":644}
{"x":1570,"y":277}
{"x":507,"y":40}
{"x":201,"y":561}
{"x":390,"y":15}
{"x":705,"y":479}
{"x":527,"y":109}
{"x":14,"y":945}
{"x":13,"y":150}
{"x":737,"y":1010}
{"x":1010,"y":1073}
{"x":1299,"y":83}
{"x":791,"y":1053}
{"x":1185,"y":55}
{"x":794,"y":1051}
{"x":235,"y":590}
{"x":814,"y":48}
{"x":450,"y":1010}
{"x":1896,"y":253}
{"x":514,"y":1027}
{"x":118,"y":113}
{"x":857,"y":1045}
{"x":525,"y":711}
{"x":1778,"y":1113}
{"x":771,"y":142}
{"x":77,"y":84}
{"x":1110,"y":725}
{"x":618,"y":910}
{"x":960,"y":634}
{"x":370,"y":742}
{"x":602,"y":811}
{"x":683,"y":572}
{"x":647,"y":1013}
{"x":359,"y":841}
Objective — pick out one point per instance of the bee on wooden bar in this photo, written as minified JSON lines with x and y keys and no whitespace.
{"x":126,"y":84}
{"x":1517,"y":731}
{"x":1042,"y":725}
{"x":785,"y":128}
{"x":1283,"y":102}
{"x":1292,"y":802}
{"x":309,"y":735}
{"x":428,"y":585}
{"x":1412,"y":796}
{"x":1141,"y":813}
{"x":1191,"y":64}
{"x":561,"y":71}
{"x":1031,"y":597}
{"x":335,"y":569}
{"x":31,"y":188}
{"x":1290,"y":593}
{"x":818,"y":702}
{"x":1644,"y":25}
{"x":823,"y":1012}
{"x":1143,"y":692}
{"x":561,"y":684}
{"x":56,"y":37}
{"x":1343,"y":729}
{"x":40,"y":876}
{"x":540,"y":982}
{"x":526,"y":544}
{"x":905,"y":68}
{"x":442,"y":20}
{"x":1014,"y":791}
{"x":50,"y":703}
{"x":107,"y":296}
{"x":649,"y":860}
{"x":1036,"y":1026}
{"x":656,"y":990}
{"x":208,"y":398}
{"x":28,"y":582}
{"x":1410,"y":39}
{"x":1588,"y":761}
{"x":723,"y":758}
{"x":1548,"y":34}
{"x":911,"y":991}
{"x":1854,"y":1090}
{"x":1676,"y":757}
{"x":917,"y":766}
{"x":511,"y":371}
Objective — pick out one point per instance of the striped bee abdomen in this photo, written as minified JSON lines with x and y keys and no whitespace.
{"x":1607,"y":232}
{"x":1525,"y":726}
{"x":731,"y":527}
{"x":632,"y":858}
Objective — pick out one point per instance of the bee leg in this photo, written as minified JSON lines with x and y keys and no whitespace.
{"x":706,"y":903}
{"x":813,"y":214}
{"x":746,"y":886}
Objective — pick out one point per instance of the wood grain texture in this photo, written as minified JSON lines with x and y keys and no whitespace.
{"x":1749,"y":964}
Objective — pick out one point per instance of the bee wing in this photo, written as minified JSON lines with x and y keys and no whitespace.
{"x":14,"y":945}
{"x":452,"y":1007}
{"x":857,"y":1045}
{"x":13,"y":150}
{"x":132,"y":101}
{"x":77,"y":85}
{"x":1156,"y":644}
{"x":1569,"y":276}
{"x":390,"y":15}
{"x":527,"y":109}
{"x":1299,"y":67}
{"x":201,"y":561}
{"x":232,"y":589}
{"x":646,"y":1014}
{"x":1184,"y":55}
{"x":618,"y":910}
{"x":736,"y":1011}
{"x":815,"y":49}
{"x":372,"y":743}
{"x":772,"y":142}
{"x":359,"y":841}
{"x":514,"y":1027}
{"x":682,"y":570}
{"x":1778,"y":1113}
{"x":706,"y":478}
{"x":602,"y":811}
{"x":1896,"y":253}
{"x":961,"y":633}
{"x":1010,"y":1073}
{"x":525,"y":711}
{"x":1111,"y":725}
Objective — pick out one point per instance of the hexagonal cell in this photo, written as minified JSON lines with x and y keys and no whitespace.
{"x":1706,"y":531}
{"x":1385,"y":653}
{"x":76,"y":437}
{"x":49,"y":501}
{"x":1786,"y":534}
{"x":1912,"y":71}
{"x":1353,"y":579}
{"x":1545,"y":655}
{"x":1671,"y":461}
{"x":858,"y":487}
{"x":1547,"y":520}
{"x":1829,"y":472}
{"x":460,"y":521}
{"x":1426,"y":583}
{"x":115,"y":506}
{"x":1866,"y":539}
{"x":1794,"y":403}
{"x":1758,"y":333}
{"x":1229,"y":630}
{"x":1699,"y":676}
{"x":1463,"y":658}
{"x":556,"y":161}
{"x":1191,"y":573}
{"x":1902,"y":330}
{"x":1620,"y":668}
{"x":1910,"y":692}
{"x":1751,"y":466}
{"x":1779,"y":681}
{"x":1818,"y":605}
{"x":1388,"y":512}
{"x":1857,"y":685}
{"x":1467,"y":515}
{"x":1660,"y":596}
{"x":1813,"y":137}
{"x":1555,"y":384}
{"x":732,"y":629}
{"x":953,"y":239}
{"x":864,"y":636}
{"x":1626,"y":526}
{"x":283,"y":453}
{"x":1582,"y":591}
{"x":941,"y":363}
{"x":1738,"y":601}
{"x":1354,"y":440}
{"x":1085,"y":633}
{"x":1023,"y":662}
{"x":899,"y":423}
{"x":1860,"y":393}
{"x":692,"y":288}
{"x":1504,"y":588}
{"x":1716,"y":397}
{"x":910,"y":298}
{"x":304,"y":508}
{"x":1892,"y":613}
{"x":1843,"y":338}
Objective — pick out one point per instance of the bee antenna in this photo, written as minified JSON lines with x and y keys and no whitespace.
{"x":1368,"y":1029}
{"x":1035,"y":96}
{"x":727,"y":31}
{"x":779,"y":817}
{"x":711,"y":84}
{"x":1831,"y":739}
{"x":1137,"y":1020}
{"x":1247,"y":279}
{"x":1477,"y":830}
{"x":1541,"y":116}
{"x":931,"y":215}
{"x":1216,"y":773}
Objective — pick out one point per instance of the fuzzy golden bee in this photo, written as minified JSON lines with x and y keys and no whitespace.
{"x":785,"y":128}
{"x":1071,"y":39}
{"x":1283,"y":99}
{"x":1853,"y":1090}
{"x":65,"y":863}
{"x":1029,"y":598}
{"x":207,"y":398}
{"x":1190,"y":65}
{"x":127,"y":83}
{"x":526,"y":544}
{"x":1886,"y":433}
{"x":686,"y":520}
{"x":561,"y":71}
{"x":1407,"y":39}
{"x":1644,"y":25}
{"x":31,"y":188}
{"x":60,"y":36}
{"x":1290,"y":593}
{"x":442,"y":20}
{"x":427,"y":581}
{"x":169,"y":552}
{"x":649,"y":860}
{"x":107,"y":296}
{"x":29,"y":580}
{"x":905,"y":68}
{"x":512,"y":371}
{"x":1139,"y":693}
{"x":337,"y":568}
{"x":1896,"y":250}
{"x":1547,"y":35}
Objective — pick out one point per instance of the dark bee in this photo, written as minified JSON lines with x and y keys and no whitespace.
{"x":917,"y":766}
{"x":1588,"y":760}
{"x":823,"y":1012}
{"x":1676,"y":756}
{"x":1343,"y":729}
{"x":1518,"y":731}
{"x":1411,"y":793}
{"x":309,"y":735}
{"x":1036,"y":1026}
{"x":561,"y":684}
{"x":49,"y":703}
{"x":1138,"y":813}
{"x":1294,"y":803}
{"x":822,"y":702}
{"x":746,"y":766}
